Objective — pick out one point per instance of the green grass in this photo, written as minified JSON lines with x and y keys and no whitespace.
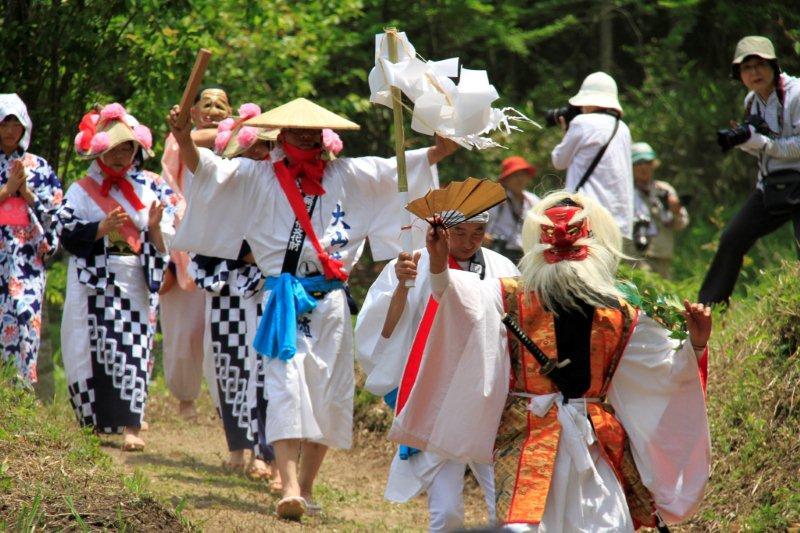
{"x":54,"y":476}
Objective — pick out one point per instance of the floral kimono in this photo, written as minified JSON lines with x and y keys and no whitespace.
{"x":24,"y":248}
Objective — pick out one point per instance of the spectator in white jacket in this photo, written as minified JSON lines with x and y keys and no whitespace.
{"x":599,"y":124}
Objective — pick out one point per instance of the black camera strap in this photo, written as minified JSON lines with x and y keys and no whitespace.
{"x":598,"y":157}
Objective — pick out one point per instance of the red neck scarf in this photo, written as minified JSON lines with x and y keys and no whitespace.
{"x":117,"y":177}
{"x":305,"y":165}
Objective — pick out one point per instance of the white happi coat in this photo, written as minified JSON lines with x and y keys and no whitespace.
{"x":384,"y":359}
{"x":311,"y":395}
{"x":655,"y":392}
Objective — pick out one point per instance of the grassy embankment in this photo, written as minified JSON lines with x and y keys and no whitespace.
{"x":55,"y":477}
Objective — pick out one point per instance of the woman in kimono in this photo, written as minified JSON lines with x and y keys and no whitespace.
{"x":232,"y":310}
{"x":305,"y":220}
{"x":29,"y":194}
{"x":594,"y":417}
{"x":117,"y":224}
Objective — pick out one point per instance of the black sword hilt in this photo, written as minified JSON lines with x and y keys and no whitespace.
{"x":547,"y":365}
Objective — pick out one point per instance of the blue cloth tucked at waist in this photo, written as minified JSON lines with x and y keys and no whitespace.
{"x":290,"y":297}
{"x":404,"y":451}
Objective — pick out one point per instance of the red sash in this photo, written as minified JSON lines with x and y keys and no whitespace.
{"x":332,"y":268}
{"x":418,"y":347}
{"x":14,"y":212}
{"x":129,"y":231}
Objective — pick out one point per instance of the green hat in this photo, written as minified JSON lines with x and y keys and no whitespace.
{"x":642,"y":153}
{"x":752,"y":45}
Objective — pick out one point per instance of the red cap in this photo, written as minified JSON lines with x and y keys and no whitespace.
{"x":514,"y":164}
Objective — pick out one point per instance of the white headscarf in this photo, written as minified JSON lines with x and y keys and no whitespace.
{"x":12,"y":104}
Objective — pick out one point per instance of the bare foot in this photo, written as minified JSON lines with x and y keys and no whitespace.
{"x":131,"y":442}
{"x":187,"y":409}
{"x":275,"y":485}
{"x":258,"y":469}
{"x":235,"y":461}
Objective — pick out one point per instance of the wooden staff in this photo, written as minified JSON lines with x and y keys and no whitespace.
{"x":195,"y":78}
{"x":399,"y":148}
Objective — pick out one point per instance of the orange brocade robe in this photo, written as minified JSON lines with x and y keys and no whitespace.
{"x":526,"y":444}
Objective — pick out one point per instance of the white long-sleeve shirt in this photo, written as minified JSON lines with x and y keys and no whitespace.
{"x":611,"y":183}
{"x":782,"y":152}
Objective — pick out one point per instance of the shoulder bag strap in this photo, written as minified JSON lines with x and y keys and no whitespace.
{"x":597,"y":158}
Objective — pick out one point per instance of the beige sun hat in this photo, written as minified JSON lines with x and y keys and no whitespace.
{"x":302,"y":114}
{"x":752,"y":45}
{"x":598,"y":89}
{"x":101,"y":131}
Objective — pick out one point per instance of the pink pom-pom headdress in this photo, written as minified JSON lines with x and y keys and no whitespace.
{"x":230,"y":129}
{"x":332,"y":142}
{"x":101,"y":130}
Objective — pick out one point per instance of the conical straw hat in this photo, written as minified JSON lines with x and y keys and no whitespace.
{"x":303,"y":114}
{"x":234,"y":149}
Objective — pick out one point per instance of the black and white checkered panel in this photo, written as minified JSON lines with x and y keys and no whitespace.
{"x":249,"y":281}
{"x":93,"y":271}
{"x":120,"y":340}
{"x":153,"y":262}
{"x":209,"y":273}
{"x":62,"y":217}
{"x":81,"y":396}
{"x":258,"y":404}
{"x":230,"y":351}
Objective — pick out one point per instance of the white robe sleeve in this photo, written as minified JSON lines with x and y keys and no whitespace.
{"x":458,"y":397}
{"x":658,"y":398}
{"x":375,"y":179}
{"x":222,"y":199}
{"x":383,"y":359}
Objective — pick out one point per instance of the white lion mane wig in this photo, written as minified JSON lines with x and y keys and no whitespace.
{"x":562,"y":285}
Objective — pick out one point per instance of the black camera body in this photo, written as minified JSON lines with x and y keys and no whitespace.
{"x":641,"y":237}
{"x":569,"y":112}
{"x":728,"y":138}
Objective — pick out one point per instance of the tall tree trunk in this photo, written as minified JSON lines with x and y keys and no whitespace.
{"x":606,"y":36}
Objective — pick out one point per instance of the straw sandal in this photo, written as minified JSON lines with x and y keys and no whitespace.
{"x":291,"y":508}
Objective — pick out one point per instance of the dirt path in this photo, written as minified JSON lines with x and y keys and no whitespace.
{"x":182,"y":466}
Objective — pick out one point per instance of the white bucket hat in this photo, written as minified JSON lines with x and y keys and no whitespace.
{"x":598,"y":89}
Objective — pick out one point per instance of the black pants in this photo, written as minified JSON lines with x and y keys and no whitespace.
{"x":748,"y":225}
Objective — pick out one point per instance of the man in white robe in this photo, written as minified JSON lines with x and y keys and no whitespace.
{"x":310,"y":387}
{"x":639,"y":388}
{"x":384,"y":334}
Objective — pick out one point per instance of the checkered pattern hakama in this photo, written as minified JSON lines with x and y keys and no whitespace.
{"x":257,"y":396}
{"x":110,"y":392}
{"x":233,"y":306}
{"x":230,"y":351}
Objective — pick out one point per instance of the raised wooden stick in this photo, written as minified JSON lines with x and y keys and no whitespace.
{"x":195,"y":79}
{"x":399,"y":148}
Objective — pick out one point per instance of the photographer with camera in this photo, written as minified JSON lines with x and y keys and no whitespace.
{"x":658,"y":213}
{"x":771,"y":133}
{"x":596,"y":149}
{"x":504,"y":230}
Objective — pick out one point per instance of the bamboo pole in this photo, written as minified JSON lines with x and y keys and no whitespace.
{"x":399,"y":148}
{"x":397,"y":112}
